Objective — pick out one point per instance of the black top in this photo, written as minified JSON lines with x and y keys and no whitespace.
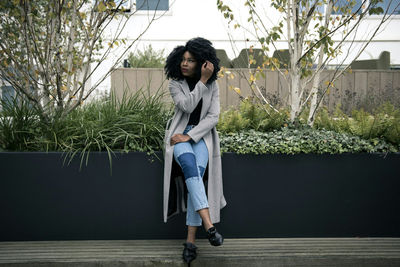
{"x":195,"y":115}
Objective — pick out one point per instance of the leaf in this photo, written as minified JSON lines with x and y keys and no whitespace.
{"x":252,"y":78}
{"x":101,"y":7}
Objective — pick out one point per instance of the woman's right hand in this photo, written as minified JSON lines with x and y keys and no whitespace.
{"x":207,"y":70}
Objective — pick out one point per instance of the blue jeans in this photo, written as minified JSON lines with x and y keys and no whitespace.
{"x":192,"y":158}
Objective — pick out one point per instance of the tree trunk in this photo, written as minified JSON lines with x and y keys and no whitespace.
{"x":295,"y":95}
{"x":317,"y":77}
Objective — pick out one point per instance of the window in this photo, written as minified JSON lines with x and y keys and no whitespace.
{"x":152,"y":5}
{"x":123,"y":4}
{"x":319,"y":6}
{"x":393,"y":8}
{"x":342,"y":6}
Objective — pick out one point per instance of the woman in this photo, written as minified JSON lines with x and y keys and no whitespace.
{"x":192,"y":140}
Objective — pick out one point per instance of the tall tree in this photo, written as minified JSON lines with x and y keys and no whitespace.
{"x":308,"y":27}
{"x":49,"y":49}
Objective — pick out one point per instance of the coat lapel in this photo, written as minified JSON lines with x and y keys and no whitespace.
{"x":206,"y":101}
{"x":206,"y":97}
{"x":185,"y":87}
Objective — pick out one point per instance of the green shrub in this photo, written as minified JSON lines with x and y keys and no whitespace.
{"x":232,"y":121}
{"x":391,"y":116}
{"x":262,"y":118}
{"x":290,"y":140}
{"x":149,"y":58}
{"x":135,"y":123}
{"x":338,"y":121}
{"x":19,"y":124}
{"x":251,"y":116}
{"x":384,"y":123}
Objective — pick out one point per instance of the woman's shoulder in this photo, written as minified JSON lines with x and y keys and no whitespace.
{"x":214,"y":85}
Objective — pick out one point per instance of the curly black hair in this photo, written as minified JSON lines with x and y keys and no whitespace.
{"x":201,"y":49}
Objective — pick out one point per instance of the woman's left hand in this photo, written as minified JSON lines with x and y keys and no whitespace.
{"x":177,"y":138}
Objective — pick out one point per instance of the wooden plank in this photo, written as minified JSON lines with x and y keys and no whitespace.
{"x":117,"y":83}
{"x":321,"y":251}
{"x":244,"y":84}
{"x":223,"y":91}
{"x":260,"y":83}
{"x":334,"y":93}
{"x":373,"y":90}
{"x":396,"y":89}
{"x":166,"y":94}
{"x":325,"y":79}
{"x":129,"y":81}
{"x":347,"y":98}
{"x":155,"y":81}
{"x":283,"y":91}
{"x":232,"y":98}
{"x":272,"y":87}
{"x":360,"y":88}
{"x":386,"y":85}
{"x":143,"y":80}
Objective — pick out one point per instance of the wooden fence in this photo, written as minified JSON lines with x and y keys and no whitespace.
{"x":360,"y":88}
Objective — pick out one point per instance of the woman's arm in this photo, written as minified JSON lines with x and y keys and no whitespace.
{"x":187,"y":103}
{"x":210,"y":120}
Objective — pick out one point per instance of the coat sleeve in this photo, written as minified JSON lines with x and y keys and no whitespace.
{"x":186,"y":102}
{"x":210,"y":120}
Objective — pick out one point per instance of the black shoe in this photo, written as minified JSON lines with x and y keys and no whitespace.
{"x":189,"y":252}
{"x":214,"y":237}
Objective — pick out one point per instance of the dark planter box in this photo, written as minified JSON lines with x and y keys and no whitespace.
{"x":268,"y":196}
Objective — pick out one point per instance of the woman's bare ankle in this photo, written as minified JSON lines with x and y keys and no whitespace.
{"x":205,"y":216}
{"x":208,"y":226}
{"x":190,"y":240}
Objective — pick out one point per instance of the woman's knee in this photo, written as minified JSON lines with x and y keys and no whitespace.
{"x":187,"y":161}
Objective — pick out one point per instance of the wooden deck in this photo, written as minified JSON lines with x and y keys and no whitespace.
{"x":234,"y":252}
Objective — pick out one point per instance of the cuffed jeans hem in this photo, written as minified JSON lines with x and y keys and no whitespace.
{"x":198,"y":223}
{"x":202,"y":207}
{"x":193,"y":224}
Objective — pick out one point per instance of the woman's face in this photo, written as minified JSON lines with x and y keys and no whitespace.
{"x":188,"y":65}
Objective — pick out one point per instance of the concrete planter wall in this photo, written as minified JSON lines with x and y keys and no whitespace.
{"x":268,"y":196}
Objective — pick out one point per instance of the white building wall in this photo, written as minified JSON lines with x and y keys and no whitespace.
{"x":192,"y":18}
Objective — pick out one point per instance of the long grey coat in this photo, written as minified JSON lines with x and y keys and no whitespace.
{"x":185,"y":102}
